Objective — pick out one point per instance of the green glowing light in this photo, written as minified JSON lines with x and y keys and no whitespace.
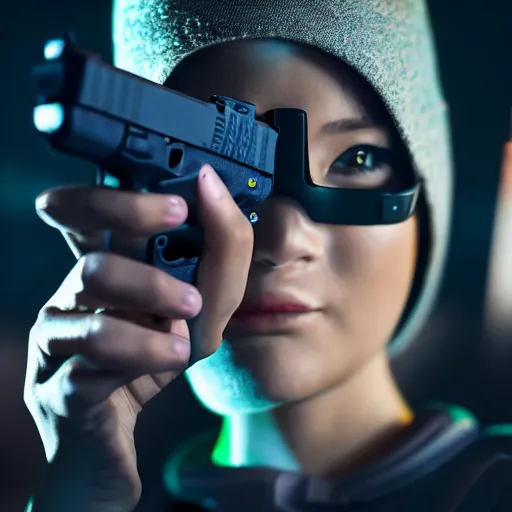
{"x":499,"y":430}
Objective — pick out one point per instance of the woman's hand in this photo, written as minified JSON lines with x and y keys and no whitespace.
{"x":114,"y":334}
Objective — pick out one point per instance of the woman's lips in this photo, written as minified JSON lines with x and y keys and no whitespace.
{"x":273,"y":303}
{"x":275,"y":308}
{"x":271,"y":322}
{"x":270,"y":313}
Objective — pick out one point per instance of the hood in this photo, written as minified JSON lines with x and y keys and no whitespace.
{"x":389,"y":42}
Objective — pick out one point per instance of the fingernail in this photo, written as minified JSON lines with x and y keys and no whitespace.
{"x":174,"y":210}
{"x":181,"y":347}
{"x":212,"y":182}
{"x":190,"y":299}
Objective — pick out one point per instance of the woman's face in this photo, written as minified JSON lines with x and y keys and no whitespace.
{"x":357,"y":278}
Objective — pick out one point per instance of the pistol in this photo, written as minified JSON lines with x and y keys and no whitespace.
{"x":148,"y":138}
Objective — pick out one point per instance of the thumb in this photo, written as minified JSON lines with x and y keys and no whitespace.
{"x":226,"y":258}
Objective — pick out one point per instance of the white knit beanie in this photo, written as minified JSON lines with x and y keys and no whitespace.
{"x":389,"y":42}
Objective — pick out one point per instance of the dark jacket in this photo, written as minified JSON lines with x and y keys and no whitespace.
{"x":446,"y":463}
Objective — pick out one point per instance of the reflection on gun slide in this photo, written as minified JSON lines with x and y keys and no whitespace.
{"x":145,"y":137}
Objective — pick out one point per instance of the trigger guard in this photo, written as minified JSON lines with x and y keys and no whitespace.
{"x":184,"y":269}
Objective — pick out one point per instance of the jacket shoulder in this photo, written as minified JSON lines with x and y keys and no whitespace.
{"x":482,"y":474}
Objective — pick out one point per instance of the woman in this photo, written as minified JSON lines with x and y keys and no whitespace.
{"x":312,"y":417}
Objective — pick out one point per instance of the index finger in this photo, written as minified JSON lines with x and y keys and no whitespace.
{"x":83,"y":208}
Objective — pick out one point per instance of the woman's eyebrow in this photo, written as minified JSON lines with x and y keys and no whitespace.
{"x":348,"y":125}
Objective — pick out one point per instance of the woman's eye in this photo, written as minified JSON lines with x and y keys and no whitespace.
{"x":360,"y":159}
{"x":364,"y":159}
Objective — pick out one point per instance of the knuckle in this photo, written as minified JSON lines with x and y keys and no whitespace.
{"x":47,"y":201}
{"x":49,"y":209}
{"x":35,"y":329}
{"x":34,"y":402}
{"x":99,"y":332}
{"x":95,"y":269}
{"x":36,"y":333}
{"x":33,"y":406}
{"x":28,"y":393}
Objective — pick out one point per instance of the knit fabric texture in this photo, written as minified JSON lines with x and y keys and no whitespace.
{"x":389,"y":42}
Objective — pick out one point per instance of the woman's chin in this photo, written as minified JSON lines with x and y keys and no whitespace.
{"x":257,"y":373}
{"x":238,"y":394}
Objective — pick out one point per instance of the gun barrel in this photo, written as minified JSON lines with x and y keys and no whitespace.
{"x":139,"y":102}
{"x":81,"y":81}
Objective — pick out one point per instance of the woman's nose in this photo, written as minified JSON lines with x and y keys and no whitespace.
{"x":285,"y":235}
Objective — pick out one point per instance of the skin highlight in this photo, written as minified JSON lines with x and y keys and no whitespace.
{"x":323,"y":392}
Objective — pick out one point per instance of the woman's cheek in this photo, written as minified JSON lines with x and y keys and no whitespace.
{"x":376,"y":266}
{"x":379,"y":252}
